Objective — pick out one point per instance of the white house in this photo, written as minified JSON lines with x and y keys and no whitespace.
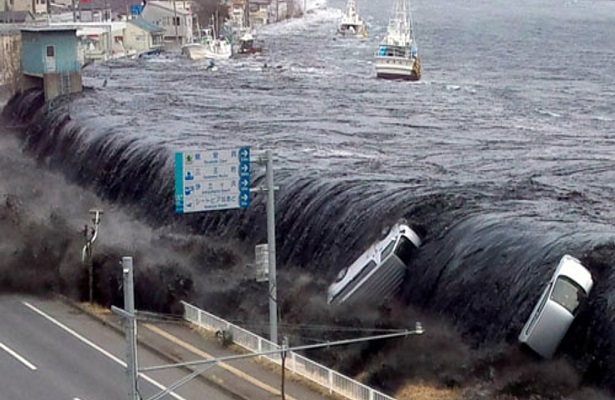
{"x":175,"y":17}
{"x":143,"y":36}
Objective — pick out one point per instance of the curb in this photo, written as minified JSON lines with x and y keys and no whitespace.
{"x":149,"y":347}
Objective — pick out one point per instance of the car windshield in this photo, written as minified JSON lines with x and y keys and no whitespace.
{"x":405,"y":250}
{"x":568,"y":294}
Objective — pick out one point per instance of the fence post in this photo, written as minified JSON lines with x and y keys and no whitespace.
{"x":200,"y":319}
{"x":330,"y":381}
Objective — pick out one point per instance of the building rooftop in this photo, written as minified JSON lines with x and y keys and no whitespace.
{"x":146,"y":25}
{"x":47,"y":28}
{"x":168,"y":5}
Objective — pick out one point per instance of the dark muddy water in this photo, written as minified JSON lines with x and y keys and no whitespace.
{"x":504,"y":152}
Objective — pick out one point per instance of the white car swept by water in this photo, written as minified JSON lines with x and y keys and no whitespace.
{"x":379,"y":271}
{"x":558,"y":306}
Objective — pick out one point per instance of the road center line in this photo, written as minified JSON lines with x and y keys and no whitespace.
{"x":96,"y":347}
{"x":18,"y":357}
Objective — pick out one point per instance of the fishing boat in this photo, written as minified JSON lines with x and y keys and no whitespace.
{"x":215,"y":47}
{"x":397,"y":56}
{"x":246,"y":44}
{"x":195,"y":51}
{"x":208,"y":46}
{"x":352,"y":24}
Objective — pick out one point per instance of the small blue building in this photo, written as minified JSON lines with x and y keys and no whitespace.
{"x":49,"y":59}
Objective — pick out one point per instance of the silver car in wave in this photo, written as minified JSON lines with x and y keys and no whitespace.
{"x":560,"y":301}
{"x":379,"y":271}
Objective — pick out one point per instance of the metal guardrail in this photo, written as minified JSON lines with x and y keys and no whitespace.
{"x":331,"y":380}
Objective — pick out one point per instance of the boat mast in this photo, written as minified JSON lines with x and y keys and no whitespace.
{"x":351,"y":9}
{"x":399,"y":24}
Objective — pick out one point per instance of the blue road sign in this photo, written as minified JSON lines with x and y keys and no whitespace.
{"x":208,"y":180}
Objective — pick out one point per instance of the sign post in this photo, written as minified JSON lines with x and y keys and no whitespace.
{"x":207,"y":180}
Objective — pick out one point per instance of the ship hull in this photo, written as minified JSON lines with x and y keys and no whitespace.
{"x":395,"y":68}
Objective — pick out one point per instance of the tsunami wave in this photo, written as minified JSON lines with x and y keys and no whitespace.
{"x":485,"y":271}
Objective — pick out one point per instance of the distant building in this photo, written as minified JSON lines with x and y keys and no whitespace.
{"x":16,"y":17}
{"x":238,"y":13}
{"x":10,"y":51}
{"x":175,"y":17}
{"x":49,"y":59}
{"x":260,"y":12}
{"x":33,"y":6}
{"x":94,"y":11}
{"x":143,"y":36}
{"x":100,"y":40}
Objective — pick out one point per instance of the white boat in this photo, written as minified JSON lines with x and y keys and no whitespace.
{"x":397,"y":57}
{"x":195,"y":51}
{"x":216,"y":48}
{"x":208,"y":45}
{"x":352,"y":24}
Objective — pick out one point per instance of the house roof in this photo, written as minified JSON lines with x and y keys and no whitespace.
{"x":57,"y":28}
{"x":146,"y":25}
{"x":15,"y":17}
{"x":168,"y":6}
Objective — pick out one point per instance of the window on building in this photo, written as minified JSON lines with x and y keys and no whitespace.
{"x":176,"y":21}
{"x":50,"y":51}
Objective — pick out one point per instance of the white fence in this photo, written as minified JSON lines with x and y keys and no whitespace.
{"x":318,"y":373}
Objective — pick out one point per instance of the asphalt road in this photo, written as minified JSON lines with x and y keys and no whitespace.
{"x":49,"y":351}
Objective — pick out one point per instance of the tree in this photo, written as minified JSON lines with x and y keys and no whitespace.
{"x":205,"y":9}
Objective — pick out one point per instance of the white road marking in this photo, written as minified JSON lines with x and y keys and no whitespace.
{"x":96,"y":347}
{"x":17,"y":356}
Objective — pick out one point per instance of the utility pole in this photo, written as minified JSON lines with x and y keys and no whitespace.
{"x":86,"y":253}
{"x":130,"y":326}
{"x":175,"y":22}
{"x":273,"y":297}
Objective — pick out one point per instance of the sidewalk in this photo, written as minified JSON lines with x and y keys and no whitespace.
{"x":246,"y":379}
